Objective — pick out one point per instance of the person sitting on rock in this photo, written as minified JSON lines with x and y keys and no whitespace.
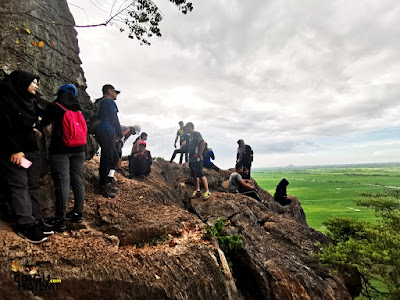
{"x":280,"y":195}
{"x":207,"y":163}
{"x":142,"y":161}
{"x":135,"y":149}
{"x":242,"y":186}
{"x":127,"y":131}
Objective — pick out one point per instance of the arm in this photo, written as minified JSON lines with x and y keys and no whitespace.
{"x":246,"y":185}
{"x":201,"y":148}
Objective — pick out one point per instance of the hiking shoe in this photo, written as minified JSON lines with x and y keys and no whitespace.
{"x":31,"y":233}
{"x":196,"y":194}
{"x":55,"y":224}
{"x":73,"y":217}
{"x":206,"y":195}
{"x":105,"y":191}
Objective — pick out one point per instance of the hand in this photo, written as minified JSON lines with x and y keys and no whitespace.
{"x":38,"y":134}
{"x":16,"y":158}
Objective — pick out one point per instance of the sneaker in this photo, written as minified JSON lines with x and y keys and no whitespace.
{"x":46,"y":230}
{"x":114,"y":189}
{"x":31,"y":233}
{"x":105,"y":191}
{"x":206,"y":195}
{"x":73,"y":217}
{"x":55,"y":224}
{"x":196,"y":194}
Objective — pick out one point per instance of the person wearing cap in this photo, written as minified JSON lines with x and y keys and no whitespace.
{"x":127,"y":131}
{"x":135,"y":149}
{"x":244,"y":157}
{"x":66,"y":163}
{"x":195,"y":149}
{"x":142,"y":161}
{"x":106,"y":135}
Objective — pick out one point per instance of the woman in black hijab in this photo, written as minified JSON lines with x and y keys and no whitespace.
{"x":18,"y":116}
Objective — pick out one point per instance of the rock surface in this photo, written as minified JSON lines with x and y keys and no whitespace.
{"x":144,"y":244}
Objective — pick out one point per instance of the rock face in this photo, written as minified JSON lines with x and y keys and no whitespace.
{"x":144,"y":244}
{"x":38,"y":36}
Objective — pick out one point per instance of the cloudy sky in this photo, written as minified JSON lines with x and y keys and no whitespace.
{"x":302,"y":82}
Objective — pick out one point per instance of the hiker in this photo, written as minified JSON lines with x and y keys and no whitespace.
{"x":127,"y":131}
{"x":280,"y":195}
{"x":180,"y":134}
{"x":66,"y":160}
{"x":244,"y":157}
{"x":207,"y":156}
{"x":184,"y":147}
{"x":242,"y":186}
{"x":142,"y":161}
{"x":20,"y":160}
{"x":135,"y":149}
{"x":195,"y":149}
{"x":106,"y":134}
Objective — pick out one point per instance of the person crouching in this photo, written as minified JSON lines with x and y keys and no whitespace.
{"x":142,"y":161}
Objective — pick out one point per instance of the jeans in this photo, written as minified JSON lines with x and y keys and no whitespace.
{"x":109,"y":155}
{"x":24,"y":187}
{"x":66,"y":171}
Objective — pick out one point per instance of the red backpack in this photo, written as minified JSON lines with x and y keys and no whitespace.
{"x":74,"y":129}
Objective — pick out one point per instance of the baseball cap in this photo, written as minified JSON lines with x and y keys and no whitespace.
{"x":107,"y":87}
{"x":70,"y":88}
{"x":137,"y":128}
{"x":142,"y":143}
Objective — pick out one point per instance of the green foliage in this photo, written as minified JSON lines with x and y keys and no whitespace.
{"x":373,"y":250}
{"x":226,"y":243}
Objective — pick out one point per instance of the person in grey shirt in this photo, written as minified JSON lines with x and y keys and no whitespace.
{"x":242,"y":186}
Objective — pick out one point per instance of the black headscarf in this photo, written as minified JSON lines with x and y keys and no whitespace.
{"x":68,"y":100}
{"x":20,"y":100}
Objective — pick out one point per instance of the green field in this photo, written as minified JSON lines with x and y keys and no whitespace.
{"x":325,"y":192}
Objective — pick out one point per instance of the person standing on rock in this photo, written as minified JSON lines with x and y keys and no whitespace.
{"x":66,"y":162}
{"x":184,"y":142}
{"x":20,"y":161}
{"x":244,"y":157}
{"x":195,"y":149}
{"x":106,"y":135}
{"x":180,"y":134}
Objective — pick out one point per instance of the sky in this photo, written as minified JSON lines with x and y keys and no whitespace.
{"x":302,"y":82}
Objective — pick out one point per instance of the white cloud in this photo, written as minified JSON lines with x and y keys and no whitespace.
{"x":283,"y":75}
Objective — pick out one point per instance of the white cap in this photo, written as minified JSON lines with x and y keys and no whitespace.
{"x":137,"y":128}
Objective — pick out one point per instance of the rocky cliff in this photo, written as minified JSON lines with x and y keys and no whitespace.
{"x":30,"y":40}
{"x":144,"y":244}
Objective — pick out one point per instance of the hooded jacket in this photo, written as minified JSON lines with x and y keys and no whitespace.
{"x":54,"y":114}
{"x":18,"y":114}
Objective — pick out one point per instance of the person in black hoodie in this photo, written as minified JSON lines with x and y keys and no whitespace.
{"x":18,"y":116}
{"x":66,"y":163}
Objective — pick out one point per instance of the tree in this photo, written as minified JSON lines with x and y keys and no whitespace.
{"x":371,"y":250}
{"x":141,"y":18}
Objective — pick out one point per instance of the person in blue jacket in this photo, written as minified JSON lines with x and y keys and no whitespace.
{"x":106,"y":134}
{"x":207,"y":156}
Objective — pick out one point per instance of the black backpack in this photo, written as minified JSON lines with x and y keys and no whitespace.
{"x":92,"y":115}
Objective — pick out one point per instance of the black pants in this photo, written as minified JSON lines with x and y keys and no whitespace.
{"x":212,"y":166}
{"x":109,"y":155}
{"x":140,"y":167}
{"x":66,"y":171}
{"x":251,"y":193}
{"x":182,"y":151}
{"x":23,"y":187}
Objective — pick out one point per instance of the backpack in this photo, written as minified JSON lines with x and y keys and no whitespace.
{"x":93,"y":120}
{"x":74,"y":129}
